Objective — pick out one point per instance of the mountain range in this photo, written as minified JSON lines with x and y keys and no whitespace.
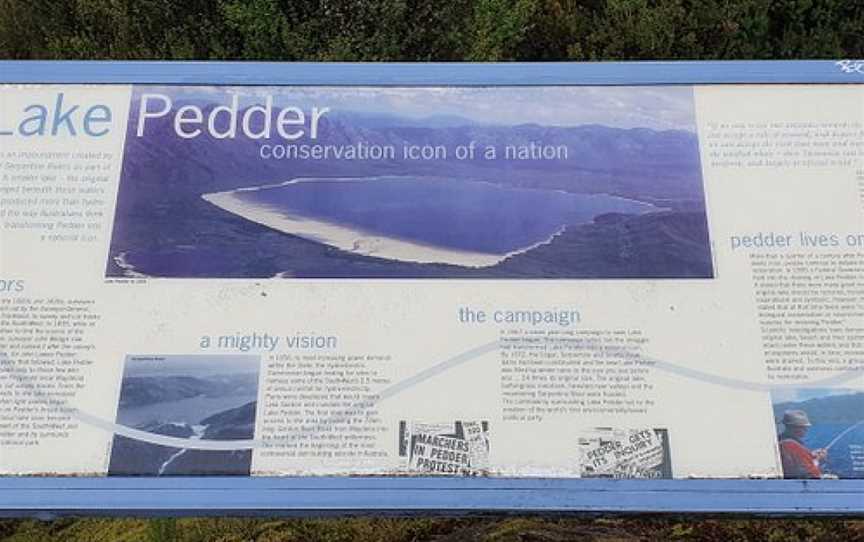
{"x":146,"y":390}
{"x":164,"y":228}
{"x":845,"y":408}
{"x":130,"y":457}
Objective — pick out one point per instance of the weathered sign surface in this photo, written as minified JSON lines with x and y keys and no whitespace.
{"x":444,"y":279}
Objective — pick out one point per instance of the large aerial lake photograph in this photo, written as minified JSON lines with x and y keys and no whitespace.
{"x":505,"y":182}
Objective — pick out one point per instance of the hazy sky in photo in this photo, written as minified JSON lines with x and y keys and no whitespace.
{"x":656,"y":107}
{"x":189,"y":365}
{"x":786,"y":395}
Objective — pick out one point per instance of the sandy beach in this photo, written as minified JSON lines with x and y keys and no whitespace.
{"x":347,"y":239}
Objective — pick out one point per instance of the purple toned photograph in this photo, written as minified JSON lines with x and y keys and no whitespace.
{"x":325,"y":182}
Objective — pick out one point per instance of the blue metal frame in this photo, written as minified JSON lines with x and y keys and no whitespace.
{"x":51,"y":496}
{"x":47,"y":497}
{"x":412,"y":74}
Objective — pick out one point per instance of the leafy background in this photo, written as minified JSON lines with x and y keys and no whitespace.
{"x":429,"y":30}
{"x":488,"y":529}
{"x":423,"y":30}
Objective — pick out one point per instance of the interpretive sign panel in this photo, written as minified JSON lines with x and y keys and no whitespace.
{"x":445,"y":278}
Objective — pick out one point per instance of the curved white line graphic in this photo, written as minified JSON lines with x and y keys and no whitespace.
{"x":426,"y":374}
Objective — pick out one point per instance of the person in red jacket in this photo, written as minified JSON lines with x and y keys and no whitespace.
{"x":798,"y":461}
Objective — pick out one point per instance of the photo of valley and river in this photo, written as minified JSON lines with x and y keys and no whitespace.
{"x":494,"y":182}
{"x":191,"y":398}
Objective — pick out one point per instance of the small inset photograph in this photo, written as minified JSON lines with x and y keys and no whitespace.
{"x":197,"y":398}
{"x":642,"y":453}
{"x":820,"y":432}
{"x":459,"y":448}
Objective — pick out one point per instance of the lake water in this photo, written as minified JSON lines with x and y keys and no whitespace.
{"x":458,"y":215}
{"x":840,"y":457}
{"x":190,"y":411}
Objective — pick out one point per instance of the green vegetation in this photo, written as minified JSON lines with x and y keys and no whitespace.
{"x":509,"y":529}
{"x":419,"y":30}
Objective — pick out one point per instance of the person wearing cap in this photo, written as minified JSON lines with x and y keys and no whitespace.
{"x":798,"y":461}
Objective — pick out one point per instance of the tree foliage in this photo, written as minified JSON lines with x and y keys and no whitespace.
{"x":376,"y":30}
